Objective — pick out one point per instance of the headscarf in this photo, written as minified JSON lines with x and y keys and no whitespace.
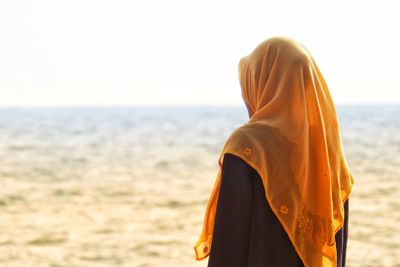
{"x":292,"y":140}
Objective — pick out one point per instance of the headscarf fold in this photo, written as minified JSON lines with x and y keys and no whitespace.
{"x":292,"y":140}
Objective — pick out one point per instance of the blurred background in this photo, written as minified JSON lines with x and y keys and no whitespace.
{"x":113,"y":114}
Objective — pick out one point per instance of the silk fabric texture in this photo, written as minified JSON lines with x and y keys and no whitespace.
{"x":292,"y":139}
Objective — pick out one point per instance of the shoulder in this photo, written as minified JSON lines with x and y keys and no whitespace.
{"x":250,"y":132}
{"x":254,"y":140}
{"x":243,"y":142}
{"x":240,"y":132}
{"x":239,"y":136}
{"x":250,"y":144}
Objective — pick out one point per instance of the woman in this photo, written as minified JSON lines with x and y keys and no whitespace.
{"x":280,"y":197}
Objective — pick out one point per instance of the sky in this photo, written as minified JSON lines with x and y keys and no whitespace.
{"x":141,"y":53}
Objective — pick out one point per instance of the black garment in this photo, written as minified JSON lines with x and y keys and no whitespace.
{"x":246,"y":231}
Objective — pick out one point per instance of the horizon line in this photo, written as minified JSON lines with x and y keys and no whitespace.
{"x":174,"y":105}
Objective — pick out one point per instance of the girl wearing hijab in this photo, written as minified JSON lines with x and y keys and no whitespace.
{"x":280,"y":198}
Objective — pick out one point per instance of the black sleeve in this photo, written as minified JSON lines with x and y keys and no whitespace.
{"x":233,"y":215}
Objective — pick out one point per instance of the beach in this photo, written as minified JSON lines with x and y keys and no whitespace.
{"x":129,"y":186}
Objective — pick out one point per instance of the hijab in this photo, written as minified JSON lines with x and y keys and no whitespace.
{"x":292,"y":139}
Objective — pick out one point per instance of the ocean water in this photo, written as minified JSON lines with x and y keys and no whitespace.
{"x":129,"y":186}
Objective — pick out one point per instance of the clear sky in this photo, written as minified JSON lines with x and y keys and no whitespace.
{"x":168,"y":52}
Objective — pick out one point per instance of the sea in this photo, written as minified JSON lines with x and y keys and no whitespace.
{"x":128,"y":186}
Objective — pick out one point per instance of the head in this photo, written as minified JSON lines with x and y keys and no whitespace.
{"x":275,"y":61}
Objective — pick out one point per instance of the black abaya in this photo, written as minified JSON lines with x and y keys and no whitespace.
{"x":246,"y":231}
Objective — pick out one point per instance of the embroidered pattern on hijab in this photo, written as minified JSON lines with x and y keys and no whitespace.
{"x":292,"y":140}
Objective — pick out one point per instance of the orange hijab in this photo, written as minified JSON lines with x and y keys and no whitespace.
{"x":292,"y":140}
